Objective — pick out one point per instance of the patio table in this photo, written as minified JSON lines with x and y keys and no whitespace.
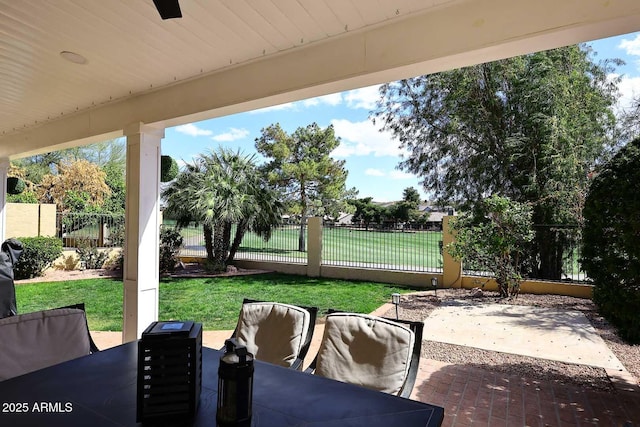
{"x":100,"y":390}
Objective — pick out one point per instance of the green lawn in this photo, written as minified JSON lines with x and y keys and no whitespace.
{"x":213,"y":301}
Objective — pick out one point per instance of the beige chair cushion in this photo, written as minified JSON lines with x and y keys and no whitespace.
{"x":273,"y":332}
{"x":365,"y":350}
{"x":33,"y":341}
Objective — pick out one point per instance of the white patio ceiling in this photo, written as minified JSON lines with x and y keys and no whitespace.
{"x":227,"y":56}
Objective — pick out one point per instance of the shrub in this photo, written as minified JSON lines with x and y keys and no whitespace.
{"x":15,"y":185}
{"x":24,"y":197}
{"x":39,"y":254}
{"x":68,"y":263}
{"x":611,"y":243}
{"x":90,"y":257}
{"x":116,"y":262}
{"x":170,"y":244}
{"x":168,"y":168}
{"x":495,"y":236}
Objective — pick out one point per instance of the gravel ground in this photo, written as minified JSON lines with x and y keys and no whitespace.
{"x":418,"y":306}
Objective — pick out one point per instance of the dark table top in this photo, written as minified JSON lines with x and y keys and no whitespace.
{"x":100,"y":390}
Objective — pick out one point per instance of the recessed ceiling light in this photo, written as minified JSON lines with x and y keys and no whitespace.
{"x":73,"y":57}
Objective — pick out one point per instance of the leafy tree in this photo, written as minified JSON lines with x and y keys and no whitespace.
{"x":220,"y":189}
{"x":495,"y":236}
{"x":611,"y":243}
{"x":367,"y":212}
{"x":529,"y":127}
{"x":301,"y":167}
{"x":115,"y":180}
{"x":412,"y":196}
{"x":36,"y":167}
{"x":108,"y":155}
{"x":403,"y":211}
{"x":364,"y":211}
{"x":80,"y":186}
{"x":629,"y":121}
{"x":406,"y":210}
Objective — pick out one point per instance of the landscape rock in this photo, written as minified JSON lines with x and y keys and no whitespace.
{"x":477,"y":293}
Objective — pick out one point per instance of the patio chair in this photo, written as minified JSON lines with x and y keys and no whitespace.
{"x":276,"y":333}
{"x":33,"y":341}
{"x":374,"y":352}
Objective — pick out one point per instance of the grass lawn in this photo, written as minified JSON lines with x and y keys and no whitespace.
{"x":213,"y":301}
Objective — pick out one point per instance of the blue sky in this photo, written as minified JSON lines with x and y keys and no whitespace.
{"x":371,"y":156}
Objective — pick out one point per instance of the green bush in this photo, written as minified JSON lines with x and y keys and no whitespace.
{"x":115,"y":263}
{"x":611,"y":242}
{"x":24,"y":197}
{"x":170,"y":244}
{"x":168,"y":168}
{"x":39,"y":254}
{"x":15,"y":185}
{"x":495,"y":235}
{"x":90,"y":257}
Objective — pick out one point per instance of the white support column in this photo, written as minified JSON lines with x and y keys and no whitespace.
{"x":142,"y":222}
{"x":4,"y":169}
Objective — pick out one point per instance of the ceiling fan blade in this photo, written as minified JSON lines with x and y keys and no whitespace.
{"x":168,"y":9}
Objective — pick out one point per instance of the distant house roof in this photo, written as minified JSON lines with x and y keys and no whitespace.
{"x":437,"y":216}
{"x":342,"y":219}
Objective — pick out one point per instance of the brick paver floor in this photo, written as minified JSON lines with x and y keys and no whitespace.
{"x":472,"y":396}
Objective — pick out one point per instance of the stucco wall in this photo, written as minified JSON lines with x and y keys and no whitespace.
{"x":30,"y":220}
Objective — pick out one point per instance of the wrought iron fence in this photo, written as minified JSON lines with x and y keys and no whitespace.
{"x":553,"y":256}
{"x":281,"y":247}
{"x":386,"y":249}
{"x":99,"y":230}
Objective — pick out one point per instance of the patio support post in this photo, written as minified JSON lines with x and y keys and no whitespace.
{"x":314,"y":246}
{"x":4,"y":170}
{"x":451,"y":268}
{"x":142,"y":229}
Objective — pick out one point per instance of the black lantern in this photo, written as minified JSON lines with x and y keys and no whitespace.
{"x":235,"y":386}
{"x":169,"y":371}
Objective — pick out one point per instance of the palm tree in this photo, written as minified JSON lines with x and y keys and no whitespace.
{"x":220,"y":189}
{"x":262,"y":214}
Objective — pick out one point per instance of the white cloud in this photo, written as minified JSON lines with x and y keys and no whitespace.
{"x":363,"y":139}
{"x":364,"y":98}
{"x":374,"y":172}
{"x":629,"y":88}
{"x":396,"y":174}
{"x":232,"y":135}
{"x":193,"y":130}
{"x":631,"y":47}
